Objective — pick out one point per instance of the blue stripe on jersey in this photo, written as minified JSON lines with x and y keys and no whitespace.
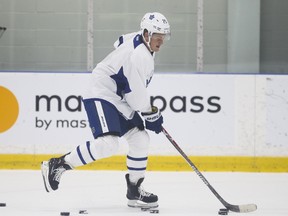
{"x":137,"y":40}
{"x":121,"y":40}
{"x":121,"y":82}
{"x":137,"y":159}
{"x":80,"y":155}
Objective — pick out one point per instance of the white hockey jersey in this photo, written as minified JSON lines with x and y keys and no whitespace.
{"x":123,"y":76}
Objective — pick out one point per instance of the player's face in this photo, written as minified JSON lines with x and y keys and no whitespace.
{"x":156,"y":41}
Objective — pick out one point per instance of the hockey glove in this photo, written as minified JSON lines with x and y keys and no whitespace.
{"x":153,"y":120}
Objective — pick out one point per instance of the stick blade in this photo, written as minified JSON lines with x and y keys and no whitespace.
{"x":242,"y":208}
{"x":247,"y":208}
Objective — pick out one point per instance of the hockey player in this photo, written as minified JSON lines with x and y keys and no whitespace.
{"x":114,"y":102}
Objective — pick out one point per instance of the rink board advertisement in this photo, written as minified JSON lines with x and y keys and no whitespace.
{"x":244,"y":115}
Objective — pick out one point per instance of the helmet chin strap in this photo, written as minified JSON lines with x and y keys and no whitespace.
{"x":147,"y":43}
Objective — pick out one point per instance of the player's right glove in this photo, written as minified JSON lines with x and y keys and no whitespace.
{"x":153,"y":120}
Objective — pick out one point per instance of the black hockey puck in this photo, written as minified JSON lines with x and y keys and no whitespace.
{"x":65,"y":213}
{"x":154,"y":211}
{"x":83,"y":212}
{"x":223,"y":211}
{"x":2,"y":204}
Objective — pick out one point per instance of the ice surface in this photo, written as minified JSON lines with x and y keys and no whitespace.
{"x":103,"y":193}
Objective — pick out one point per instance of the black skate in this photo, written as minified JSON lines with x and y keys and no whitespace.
{"x":138,"y":197}
{"x":52,"y":171}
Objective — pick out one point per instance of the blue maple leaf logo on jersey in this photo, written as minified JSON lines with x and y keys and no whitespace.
{"x":121,"y":83}
{"x":151,"y":17}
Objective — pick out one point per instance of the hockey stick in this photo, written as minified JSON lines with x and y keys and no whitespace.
{"x":234,"y":208}
{"x":2,"y":30}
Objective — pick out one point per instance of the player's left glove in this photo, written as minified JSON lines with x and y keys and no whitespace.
{"x":153,"y":120}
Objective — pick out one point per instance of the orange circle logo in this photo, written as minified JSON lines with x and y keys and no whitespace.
{"x":9,"y":109}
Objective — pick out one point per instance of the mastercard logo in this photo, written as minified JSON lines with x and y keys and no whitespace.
{"x":9,"y":109}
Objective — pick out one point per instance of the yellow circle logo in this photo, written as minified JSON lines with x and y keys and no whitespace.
{"x":9,"y":109}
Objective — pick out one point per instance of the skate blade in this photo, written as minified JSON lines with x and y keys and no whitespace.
{"x":44,"y":171}
{"x":142,"y":205}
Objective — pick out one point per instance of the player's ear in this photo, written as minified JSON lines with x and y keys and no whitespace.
{"x":145,"y":35}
